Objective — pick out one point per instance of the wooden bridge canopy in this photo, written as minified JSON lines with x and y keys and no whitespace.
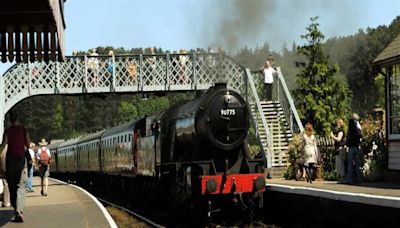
{"x":32,"y":30}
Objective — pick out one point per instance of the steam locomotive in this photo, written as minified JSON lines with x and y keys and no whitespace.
{"x":195,"y":153}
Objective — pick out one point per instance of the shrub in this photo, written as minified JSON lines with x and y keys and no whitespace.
{"x":295,"y":151}
{"x":374,"y":149}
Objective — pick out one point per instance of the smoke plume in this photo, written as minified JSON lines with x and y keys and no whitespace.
{"x":235,"y":24}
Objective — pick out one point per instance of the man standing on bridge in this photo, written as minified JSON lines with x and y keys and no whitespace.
{"x":268,"y":72}
{"x":17,"y":139}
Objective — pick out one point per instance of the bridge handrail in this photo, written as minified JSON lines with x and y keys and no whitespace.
{"x":282,"y":94}
{"x":285,"y":99}
{"x":260,"y":112}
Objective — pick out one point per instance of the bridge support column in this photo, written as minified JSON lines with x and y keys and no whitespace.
{"x":2,"y":106}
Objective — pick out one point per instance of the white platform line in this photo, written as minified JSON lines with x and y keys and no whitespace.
{"x":385,"y":201}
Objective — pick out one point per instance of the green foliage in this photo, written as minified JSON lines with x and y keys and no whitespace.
{"x":295,"y":151}
{"x":328,"y":169}
{"x":374,"y":148}
{"x":126,"y":112}
{"x":151,"y":106}
{"x":321,"y":95}
{"x":58,"y":118}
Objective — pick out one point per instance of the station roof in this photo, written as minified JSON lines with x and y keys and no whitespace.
{"x":390,"y":54}
{"x":32,"y":30}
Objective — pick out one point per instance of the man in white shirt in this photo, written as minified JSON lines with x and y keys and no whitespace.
{"x":268,"y":72}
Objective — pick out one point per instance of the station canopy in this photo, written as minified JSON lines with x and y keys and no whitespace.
{"x":390,"y":55}
{"x":32,"y":30}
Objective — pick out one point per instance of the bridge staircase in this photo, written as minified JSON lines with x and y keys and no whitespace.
{"x":280,"y":133}
{"x":281,"y":119}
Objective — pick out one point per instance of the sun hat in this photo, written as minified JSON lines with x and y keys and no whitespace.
{"x":43,"y":142}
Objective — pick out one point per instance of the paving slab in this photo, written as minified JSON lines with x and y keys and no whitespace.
{"x":64,"y":206}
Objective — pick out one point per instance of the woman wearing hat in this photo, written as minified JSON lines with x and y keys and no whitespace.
{"x":43,"y":157}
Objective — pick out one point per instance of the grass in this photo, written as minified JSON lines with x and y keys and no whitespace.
{"x":123,"y":219}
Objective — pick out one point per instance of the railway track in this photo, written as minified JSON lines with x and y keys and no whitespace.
{"x":148,"y":214}
{"x":137,"y":216}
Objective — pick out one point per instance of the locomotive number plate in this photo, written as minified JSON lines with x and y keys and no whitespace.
{"x":228,"y":112}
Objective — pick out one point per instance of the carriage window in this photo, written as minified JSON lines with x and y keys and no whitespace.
{"x":394,"y":97}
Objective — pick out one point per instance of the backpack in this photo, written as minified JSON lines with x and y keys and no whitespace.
{"x":44,"y":157}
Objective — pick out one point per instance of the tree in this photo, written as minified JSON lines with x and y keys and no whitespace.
{"x":322,"y":94}
{"x":58,"y":119}
{"x":127,"y":112}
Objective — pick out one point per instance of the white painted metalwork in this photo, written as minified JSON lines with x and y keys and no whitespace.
{"x":128,"y":73}
{"x":124,"y":74}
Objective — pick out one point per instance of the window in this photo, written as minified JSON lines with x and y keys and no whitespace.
{"x":394,"y":99}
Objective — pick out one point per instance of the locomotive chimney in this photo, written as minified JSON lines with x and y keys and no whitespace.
{"x":220,"y":85}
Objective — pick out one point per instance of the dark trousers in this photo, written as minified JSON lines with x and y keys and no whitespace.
{"x":310,"y":171}
{"x":268,"y":91}
{"x":17,"y":175}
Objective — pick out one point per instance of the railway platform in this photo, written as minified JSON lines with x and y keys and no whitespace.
{"x":64,"y":206}
{"x":329,"y":204}
{"x":385,"y":194}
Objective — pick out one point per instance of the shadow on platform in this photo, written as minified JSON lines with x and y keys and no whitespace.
{"x":6,"y":216}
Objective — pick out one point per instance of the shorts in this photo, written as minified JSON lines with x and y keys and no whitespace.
{"x":44,"y":171}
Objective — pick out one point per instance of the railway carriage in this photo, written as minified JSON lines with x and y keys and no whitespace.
{"x":87,"y":153}
{"x":117,"y":147}
{"x":66,"y":157}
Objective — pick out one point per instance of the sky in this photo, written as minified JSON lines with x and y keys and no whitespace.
{"x":231,"y":24}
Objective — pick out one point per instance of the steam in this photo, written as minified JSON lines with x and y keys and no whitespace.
{"x":235,"y":24}
{"x":242,"y":21}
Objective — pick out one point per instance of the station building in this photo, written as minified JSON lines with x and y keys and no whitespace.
{"x":388,"y":64}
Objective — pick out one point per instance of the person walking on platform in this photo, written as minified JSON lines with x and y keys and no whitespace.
{"x":31,"y":168}
{"x":354,"y":143}
{"x":311,"y":153}
{"x":6,"y":192}
{"x":17,"y":139}
{"x":340,"y":142}
{"x":43,"y":157}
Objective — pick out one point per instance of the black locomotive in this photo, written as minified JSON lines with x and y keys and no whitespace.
{"x":195,"y":153}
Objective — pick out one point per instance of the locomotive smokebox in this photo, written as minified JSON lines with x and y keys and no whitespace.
{"x":224,"y":119}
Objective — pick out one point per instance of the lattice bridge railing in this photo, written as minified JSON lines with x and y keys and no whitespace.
{"x":127,"y":73}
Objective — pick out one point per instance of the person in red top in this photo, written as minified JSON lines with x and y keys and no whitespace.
{"x":17,"y":139}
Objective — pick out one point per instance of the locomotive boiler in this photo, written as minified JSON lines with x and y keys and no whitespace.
{"x":206,"y":137}
{"x":195,"y":153}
